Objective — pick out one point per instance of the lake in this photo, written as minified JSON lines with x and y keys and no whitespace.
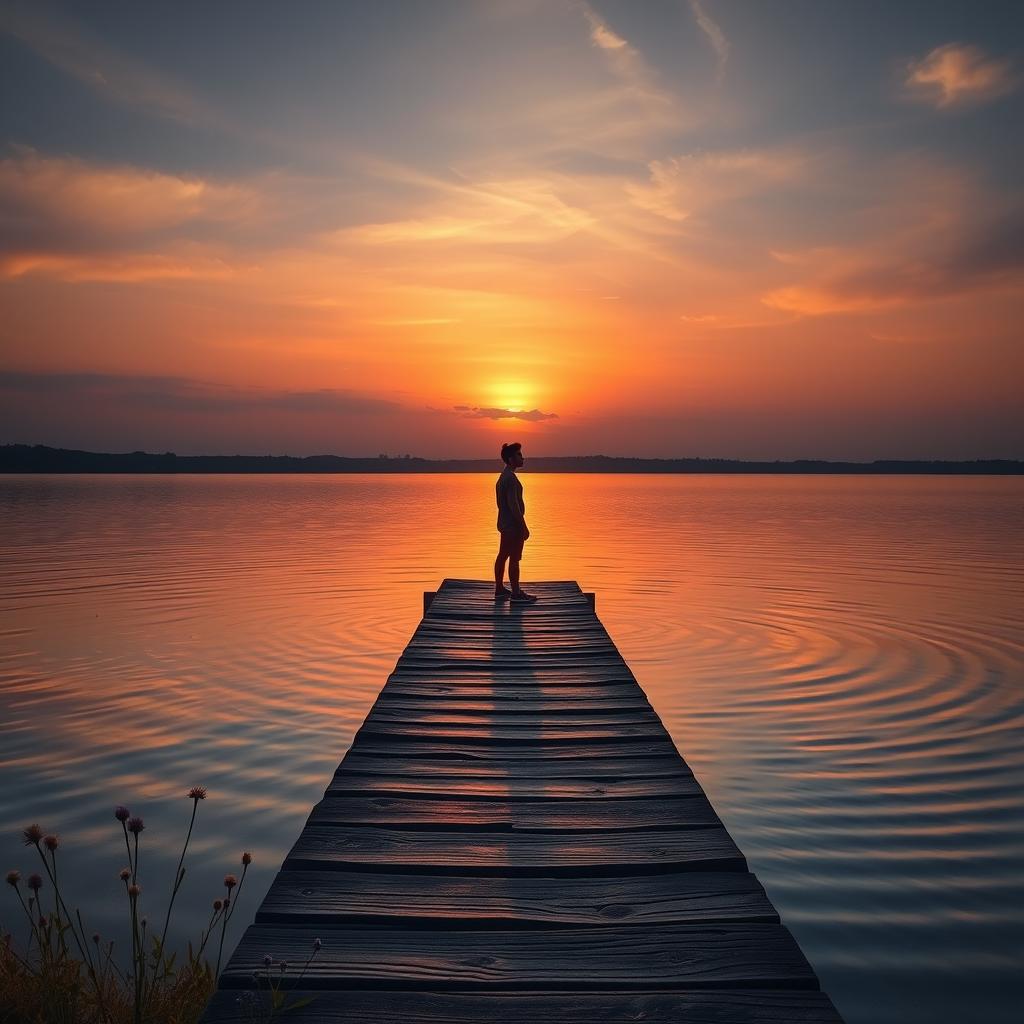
{"x":840,"y":659}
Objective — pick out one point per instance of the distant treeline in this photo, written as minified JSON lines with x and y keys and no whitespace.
{"x":23,"y":458}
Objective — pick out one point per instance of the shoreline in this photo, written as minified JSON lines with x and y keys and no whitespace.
{"x":40,"y":459}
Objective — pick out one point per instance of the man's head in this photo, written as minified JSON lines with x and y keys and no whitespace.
{"x":512,"y":454}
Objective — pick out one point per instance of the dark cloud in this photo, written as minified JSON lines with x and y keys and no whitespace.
{"x":182,"y":395}
{"x":983,"y":255}
{"x":477,"y":413}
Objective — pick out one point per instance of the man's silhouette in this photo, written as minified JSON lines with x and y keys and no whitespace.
{"x":511,"y":526}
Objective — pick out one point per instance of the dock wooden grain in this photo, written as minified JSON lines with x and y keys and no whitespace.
{"x":514,"y":837}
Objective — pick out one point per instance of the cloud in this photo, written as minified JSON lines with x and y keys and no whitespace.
{"x":654,"y":109}
{"x":69,"y":219}
{"x":958,"y":74}
{"x":715,"y":36}
{"x":956,"y":261}
{"x":185,"y":395}
{"x":75,"y":220}
{"x":69,"y":47}
{"x":527,"y":210}
{"x":679,"y":185}
{"x":476,"y":413}
{"x":432,"y":321}
{"x":42,"y":194}
{"x":129,"y":268}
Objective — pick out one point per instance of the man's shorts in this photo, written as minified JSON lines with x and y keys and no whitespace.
{"x":512,"y":542}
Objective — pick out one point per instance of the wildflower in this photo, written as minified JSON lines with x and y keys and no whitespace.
{"x":124,"y":874}
{"x":246,"y":859}
{"x":267,"y":960}
{"x":316,"y":945}
{"x":227,"y":902}
{"x":135,"y":825}
{"x":122,"y":813}
{"x":218,"y":905}
{"x":134,"y":890}
{"x":35,"y":882}
{"x":230,"y":881}
{"x":13,"y":877}
{"x":96,"y":938}
{"x":51,"y":842}
{"x":283,"y":965}
{"x":197,"y":793}
{"x":32,"y":835}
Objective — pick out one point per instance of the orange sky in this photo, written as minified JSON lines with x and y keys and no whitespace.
{"x":661,"y":229}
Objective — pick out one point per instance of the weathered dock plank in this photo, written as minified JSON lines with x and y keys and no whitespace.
{"x":330,"y":897}
{"x":721,"y":1006}
{"x":514,"y":837}
{"x":578,"y":959}
{"x":515,"y":854}
{"x":516,"y":815}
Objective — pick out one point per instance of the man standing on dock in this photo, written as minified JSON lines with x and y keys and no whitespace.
{"x":511,"y":526}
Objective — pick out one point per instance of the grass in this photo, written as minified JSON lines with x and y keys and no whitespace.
{"x":60,"y":974}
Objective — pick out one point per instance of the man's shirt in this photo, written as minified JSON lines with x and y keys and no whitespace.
{"x":509,"y":493}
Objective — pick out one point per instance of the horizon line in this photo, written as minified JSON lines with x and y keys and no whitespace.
{"x":385,"y":457}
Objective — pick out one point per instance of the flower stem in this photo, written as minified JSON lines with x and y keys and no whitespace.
{"x":178,"y":876}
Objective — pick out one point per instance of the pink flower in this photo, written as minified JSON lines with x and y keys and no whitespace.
{"x":134,"y":889}
{"x":13,"y":877}
{"x":197,"y":793}
{"x":32,"y":835}
{"x":124,"y":874}
{"x":135,"y":825}
{"x":51,"y":842}
{"x":246,"y":859}
{"x":35,"y":882}
{"x":122,"y":813}
{"x":230,"y":881}
{"x":218,"y":905}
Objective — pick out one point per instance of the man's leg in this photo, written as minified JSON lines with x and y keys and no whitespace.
{"x":513,"y":571}
{"x":499,"y":570}
{"x":505,"y":549}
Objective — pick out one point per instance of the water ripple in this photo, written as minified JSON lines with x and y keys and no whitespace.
{"x":841,"y":660}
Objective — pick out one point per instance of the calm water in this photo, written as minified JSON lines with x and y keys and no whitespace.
{"x":840,"y":659}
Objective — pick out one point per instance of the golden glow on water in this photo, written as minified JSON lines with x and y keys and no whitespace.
{"x":839,"y":659}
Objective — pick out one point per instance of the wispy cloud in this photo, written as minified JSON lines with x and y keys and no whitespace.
{"x":716,"y":37}
{"x":130,"y":268}
{"x":531,"y":415}
{"x":486,"y":212}
{"x":679,"y":185}
{"x":68,"y":46}
{"x":435,"y":321}
{"x":654,"y":108}
{"x":958,"y":74}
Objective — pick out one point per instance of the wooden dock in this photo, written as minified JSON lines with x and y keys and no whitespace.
{"x":513,"y":837}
